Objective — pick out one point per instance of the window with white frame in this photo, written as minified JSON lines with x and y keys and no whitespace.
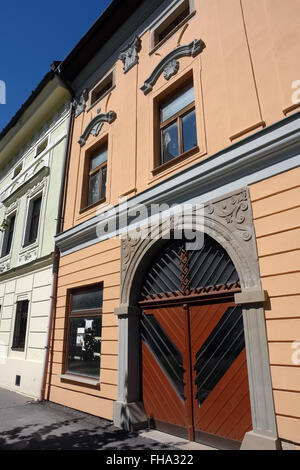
{"x":17,"y":170}
{"x":8,"y":235}
{"x":33,"y":219}
{"x":20,"y":327}
{"x":41,"y":147}
{"x":106,"y":83}
{"x":171,"y":21}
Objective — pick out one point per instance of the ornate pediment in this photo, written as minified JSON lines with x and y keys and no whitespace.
{"x":169,"y":65}
{"x":95,"y":126}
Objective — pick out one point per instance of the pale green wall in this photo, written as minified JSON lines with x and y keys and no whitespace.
{"x":48,"y":219}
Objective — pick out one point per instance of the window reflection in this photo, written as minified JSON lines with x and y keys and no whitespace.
{"x":85,"y":346}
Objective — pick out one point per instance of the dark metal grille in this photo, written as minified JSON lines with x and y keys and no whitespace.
{"x":164,"y":350}
{"x":176,"y":271}
{"x":219,"y":352}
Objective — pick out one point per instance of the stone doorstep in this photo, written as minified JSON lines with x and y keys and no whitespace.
{"x":174,"y":441}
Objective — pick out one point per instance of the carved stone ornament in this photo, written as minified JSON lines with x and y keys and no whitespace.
{"x":81,"y":104}
{"x":37,"y":188}
{"x":169,"y":65}
{"x":228,"y":220}
{"x":171,"y":68}
{"x":28,"y":256}
{"x":95,"y":126}
{"x":129,"y":56}
{"x":4,"y":266}
{"x":234,"y":211}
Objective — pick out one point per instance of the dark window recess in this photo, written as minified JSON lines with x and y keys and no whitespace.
{"x":41,"y":147}
{"x":20,"y":325}
{"x":172,"y":21}
{"x":100,"y":90}
{"x":33,"y":221}
{"x":164,"y":350}
{"x":176,"y":270}
{"x":219,"y":352}
{"x":18,"y":380}
{"x":178,"y":124}
{"x":97,"y":176}
{"x":18,"y":170}
{"x":85,"y":330}
{"x":8,"y":236}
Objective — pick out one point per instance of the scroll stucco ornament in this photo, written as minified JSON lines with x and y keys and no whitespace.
{"x":233,"y":211}
{"x":81,"y":104}
{"x":95,"y":126}
{"x":171,"y":68}
{"x":130,"y":55}
{"x":169,"y":65}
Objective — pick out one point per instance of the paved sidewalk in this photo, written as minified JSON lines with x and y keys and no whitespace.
{"x":30,"y":425}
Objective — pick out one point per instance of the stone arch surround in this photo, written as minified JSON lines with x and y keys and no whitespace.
{"x":228,"y":220}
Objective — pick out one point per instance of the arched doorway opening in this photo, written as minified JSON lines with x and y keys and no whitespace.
{"x":227,"y":221}
{"x":194,"y":367}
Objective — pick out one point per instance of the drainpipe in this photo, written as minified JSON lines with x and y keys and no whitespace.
{"x":56,"y":254}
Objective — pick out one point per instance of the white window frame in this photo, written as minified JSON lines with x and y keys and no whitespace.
{"x":19,"y":164}
{"x":11,"y":214}
{"x":36,"y":154}
{"x":20,"y":298}
{"x":171,"y":10}
{"x":30,"y":202}
{"x":98,"y":84}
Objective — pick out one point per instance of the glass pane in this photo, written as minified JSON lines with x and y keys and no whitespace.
{"x":103,"y":182}
{"x":169,"y":137}
{"x":189,"y":131}
{"x":85,"y":346}
{"x":35,"y":217}
{"x":179,"y":101}
{"x":99,"y":158}
{"x":20,"y":325}
{"x":94,"y":189}
{"x":8,"y":236}
{"x":87,"y":299}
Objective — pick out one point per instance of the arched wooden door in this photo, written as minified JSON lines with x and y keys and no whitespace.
{"x":194,"y":377}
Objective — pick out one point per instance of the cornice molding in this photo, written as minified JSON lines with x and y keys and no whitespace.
{"x":95,"y":126}
{"x":36,"y":176}
{"x":169,"y":65}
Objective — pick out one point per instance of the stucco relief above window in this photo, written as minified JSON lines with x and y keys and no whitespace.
{"x":27,"y":256}
{"x":96,"y":124}
{"x":33,"y":172}
{"x":170,"y":65}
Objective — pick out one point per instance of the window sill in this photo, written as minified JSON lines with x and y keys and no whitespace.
{"x":175,"y":161}
{"x":92,"y":206}
{"x":80,"y":379}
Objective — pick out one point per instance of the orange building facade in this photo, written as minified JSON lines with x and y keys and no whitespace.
{"x":186,"y":102}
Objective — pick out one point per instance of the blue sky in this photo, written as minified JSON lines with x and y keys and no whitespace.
{"x":33,"y":34}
